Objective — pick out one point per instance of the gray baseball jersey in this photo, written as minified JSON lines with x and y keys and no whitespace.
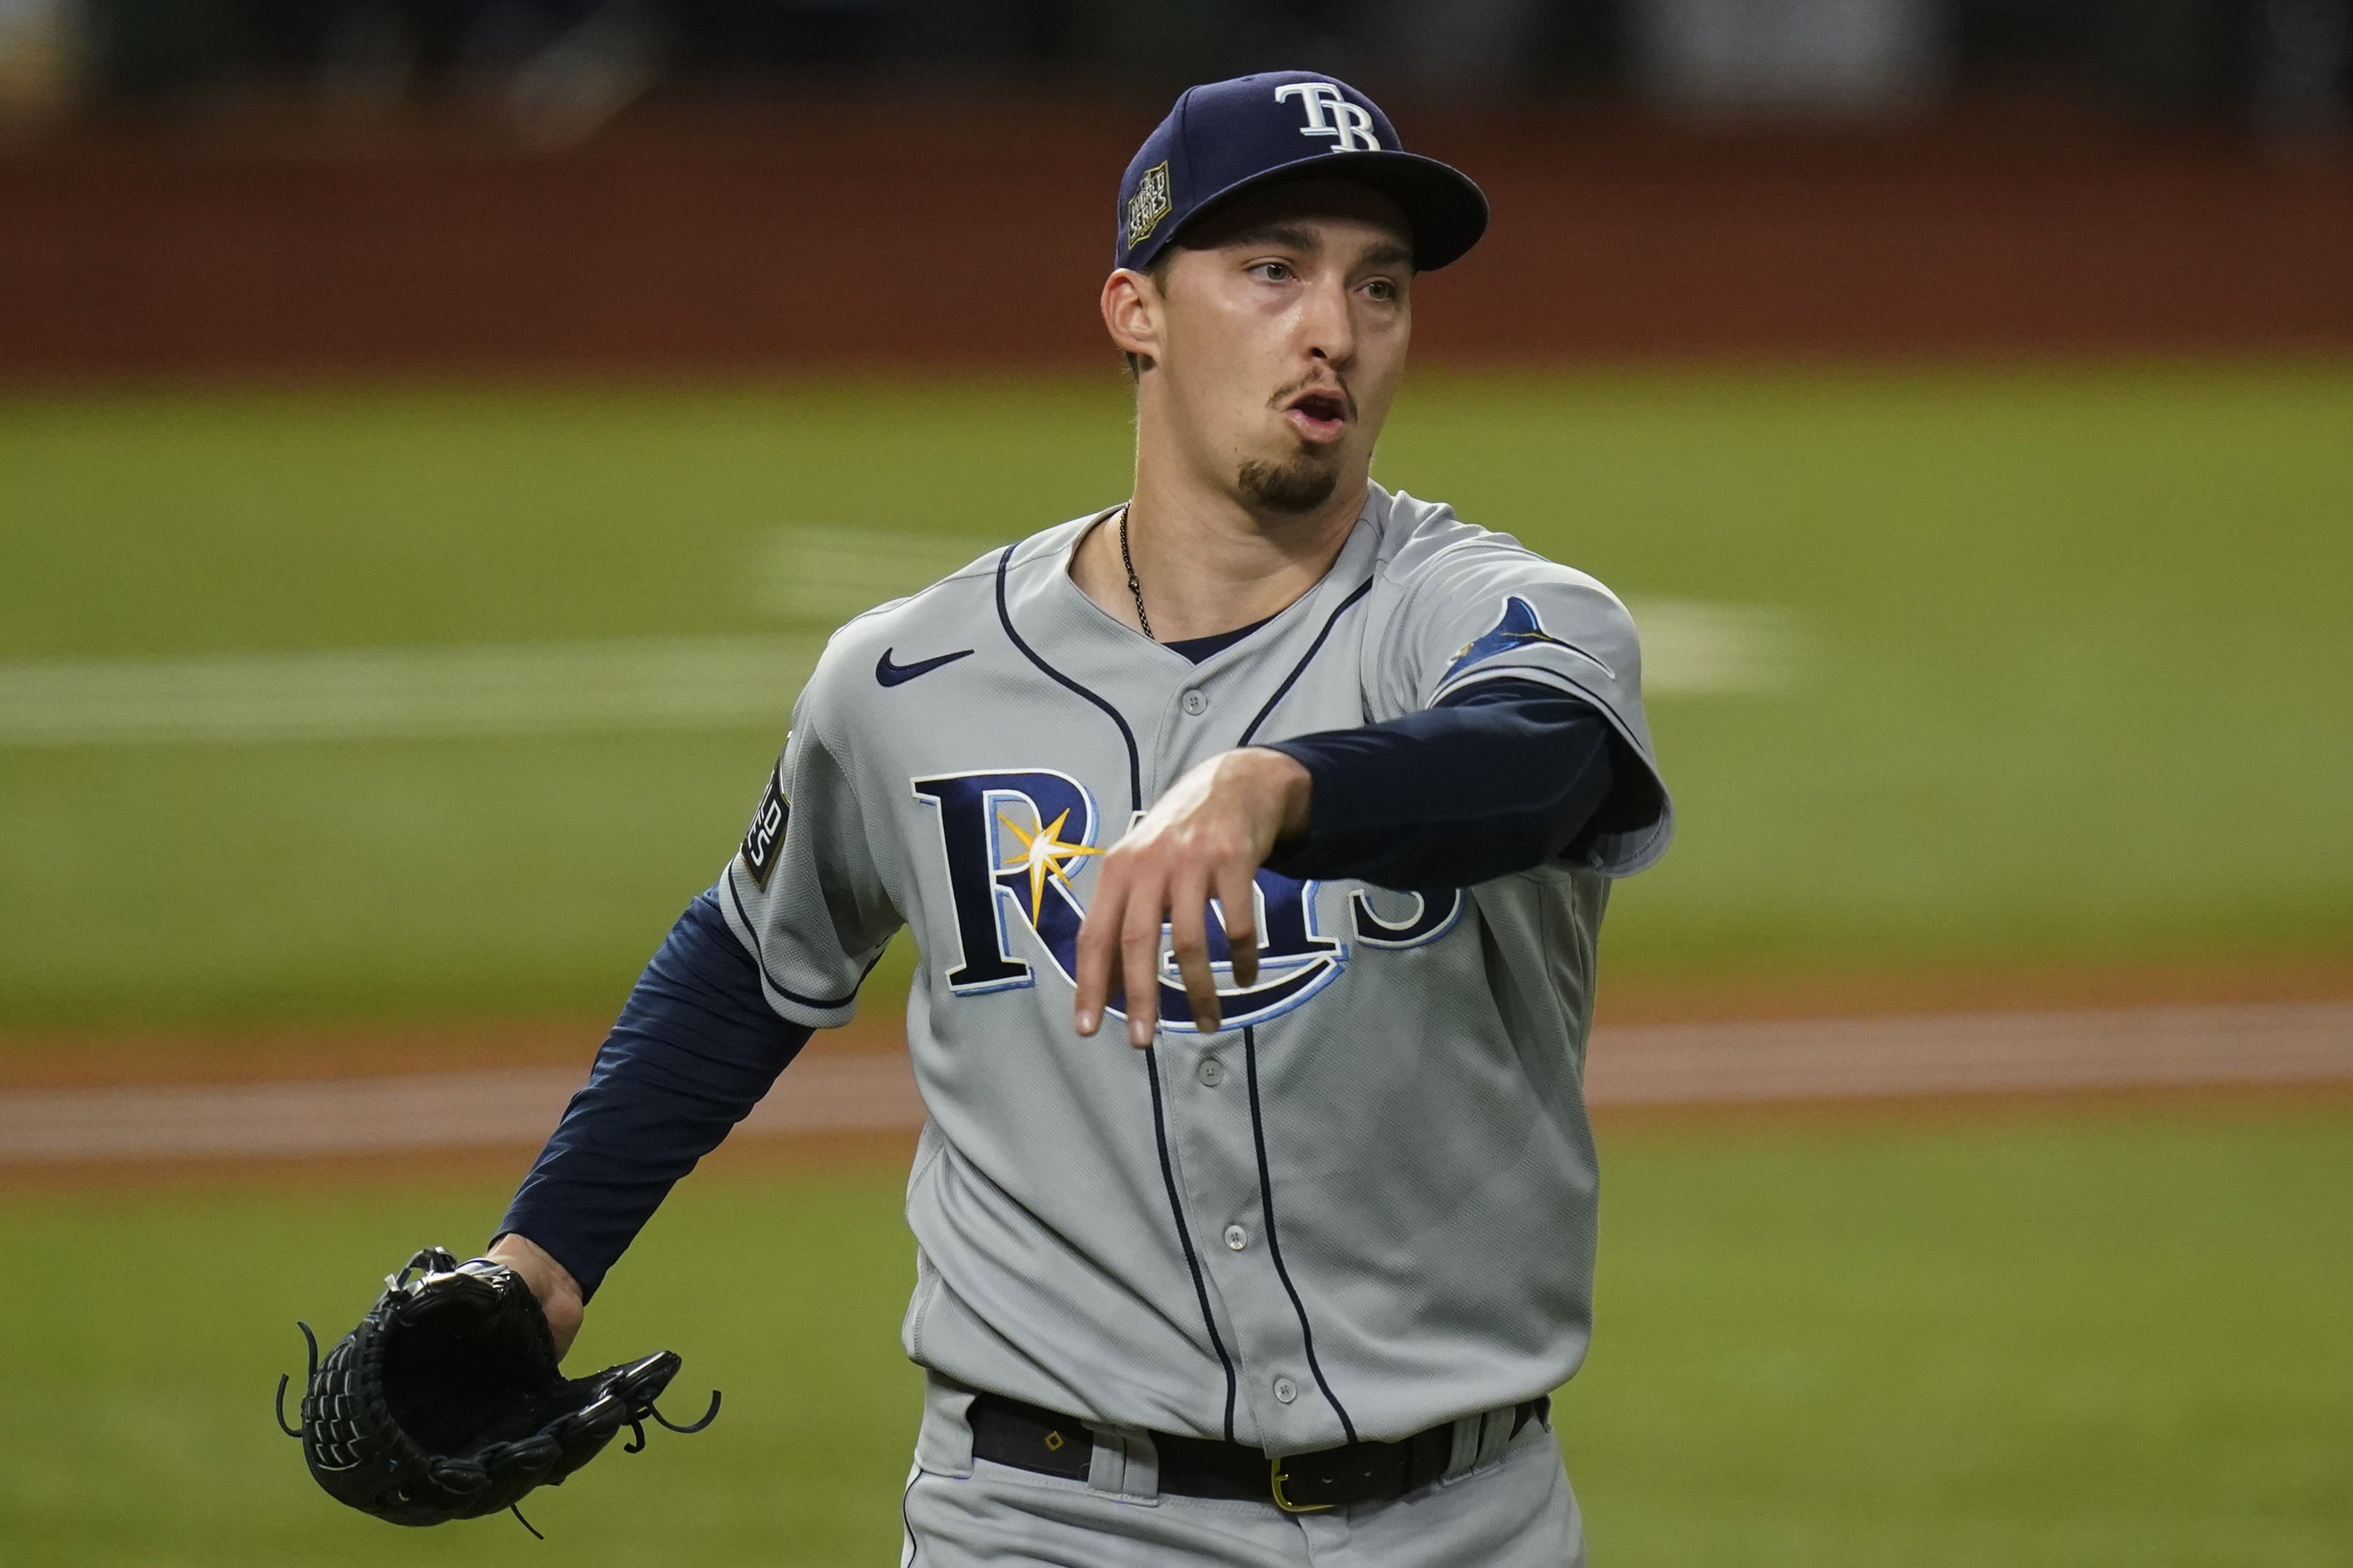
{"x":1363,"y":1207}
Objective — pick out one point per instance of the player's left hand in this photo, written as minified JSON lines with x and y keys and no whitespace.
{"x":551,"y":1283}
{"x":1207,"y":837}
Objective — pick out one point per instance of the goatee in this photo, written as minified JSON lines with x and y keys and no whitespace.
{"x":1299,"y":486}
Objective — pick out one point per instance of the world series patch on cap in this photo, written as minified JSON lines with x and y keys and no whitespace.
{"x":1229,"y":137}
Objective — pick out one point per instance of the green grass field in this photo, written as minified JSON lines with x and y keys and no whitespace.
{"x":2020,"y":1339}
{"x":2062,"y":661}
{"x":2069,"y":658}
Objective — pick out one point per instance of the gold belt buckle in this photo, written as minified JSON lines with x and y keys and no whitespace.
{"x":1274,"y":1471}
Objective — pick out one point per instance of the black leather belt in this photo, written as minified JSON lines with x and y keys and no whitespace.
{"x":1027,"y":1437}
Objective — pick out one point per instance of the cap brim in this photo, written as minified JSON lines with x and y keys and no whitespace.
{"x":1446,"y":210}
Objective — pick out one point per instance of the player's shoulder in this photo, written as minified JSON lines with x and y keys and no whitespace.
{"x":948,"y":616}
{"x":1425,"y":550}
{"x":943,"y":605}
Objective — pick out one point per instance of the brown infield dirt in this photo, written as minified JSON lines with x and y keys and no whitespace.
{"x":890,"y":1152}
{"x":72,"y":1060}
{"x":31,"y":1063}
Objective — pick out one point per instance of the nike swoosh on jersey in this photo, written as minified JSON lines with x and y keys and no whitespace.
{"x":891,"y":674}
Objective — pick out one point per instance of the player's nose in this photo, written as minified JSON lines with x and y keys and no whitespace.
{"x":1327,"y":329}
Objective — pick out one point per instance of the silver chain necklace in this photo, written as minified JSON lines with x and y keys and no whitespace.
{"x":1134,"y":585}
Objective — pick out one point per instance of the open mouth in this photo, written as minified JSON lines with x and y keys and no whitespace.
{"x":1319,"y":414}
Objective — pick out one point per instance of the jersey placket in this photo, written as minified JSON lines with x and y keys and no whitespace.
{"x":1215,"y":1122}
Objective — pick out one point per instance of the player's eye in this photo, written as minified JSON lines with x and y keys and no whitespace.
{"x":1382,"y":290}
{"x":1273,"y":271}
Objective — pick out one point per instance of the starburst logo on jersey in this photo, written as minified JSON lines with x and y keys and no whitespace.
{"x":1043,"y":854}
{"x":1016,"y":846}
{"x":1148,"y":206}
{"x":1518,"y":629}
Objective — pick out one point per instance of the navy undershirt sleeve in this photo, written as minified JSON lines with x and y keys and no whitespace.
{"x":694,"y":1049}
{"x":1502,"y":777}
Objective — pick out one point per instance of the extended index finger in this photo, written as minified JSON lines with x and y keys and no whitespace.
{"x":1098,"y":943}
{"x":1139,"y":959}
{"x":1237,"y":910}
{"x":1188,"y":921}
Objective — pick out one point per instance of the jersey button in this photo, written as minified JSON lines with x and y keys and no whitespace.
{"x":1211,"y":1072}
{"x":1196,"y":702}
{"x":1285,"y":1391}
{"x":1237,"y":1237}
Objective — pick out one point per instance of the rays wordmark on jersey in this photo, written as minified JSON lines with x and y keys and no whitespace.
{"x":1015,"y":843}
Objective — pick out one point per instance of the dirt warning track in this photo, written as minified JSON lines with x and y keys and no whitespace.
{"x":1632,"y":1066}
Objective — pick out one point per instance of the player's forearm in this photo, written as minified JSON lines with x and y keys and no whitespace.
{"x":694,"y":1049}
{"x":1500,"y":782}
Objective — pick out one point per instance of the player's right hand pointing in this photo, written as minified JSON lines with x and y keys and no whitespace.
{"x":1206,"y":838}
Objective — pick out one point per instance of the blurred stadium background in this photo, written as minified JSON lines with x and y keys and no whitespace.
{"x":436,"y":436}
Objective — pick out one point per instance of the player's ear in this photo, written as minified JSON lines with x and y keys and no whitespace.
{"x":1131,"y":312}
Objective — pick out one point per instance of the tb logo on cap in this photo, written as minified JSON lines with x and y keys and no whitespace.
{"x":1350,"y":125}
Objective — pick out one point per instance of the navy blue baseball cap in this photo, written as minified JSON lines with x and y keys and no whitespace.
{"x":1228,"y":137}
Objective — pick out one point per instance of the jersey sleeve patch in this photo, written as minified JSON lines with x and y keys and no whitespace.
{"x":1517,"y":629}
{"x":763,"y":841}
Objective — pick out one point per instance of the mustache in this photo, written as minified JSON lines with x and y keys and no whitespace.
{"x":1337,"y":384}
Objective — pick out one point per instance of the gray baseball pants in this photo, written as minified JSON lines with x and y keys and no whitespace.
{"x":1505,"y":1505}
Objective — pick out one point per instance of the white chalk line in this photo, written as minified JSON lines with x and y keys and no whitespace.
{"x":813,"y":577}
{"x":408,"y":693}
{"x":1683,"y":1064}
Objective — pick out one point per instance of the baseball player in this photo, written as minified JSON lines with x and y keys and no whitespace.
{"x":1255,"y":834}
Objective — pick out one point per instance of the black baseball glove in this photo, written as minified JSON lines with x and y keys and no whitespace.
{"x":446,"y":1403}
